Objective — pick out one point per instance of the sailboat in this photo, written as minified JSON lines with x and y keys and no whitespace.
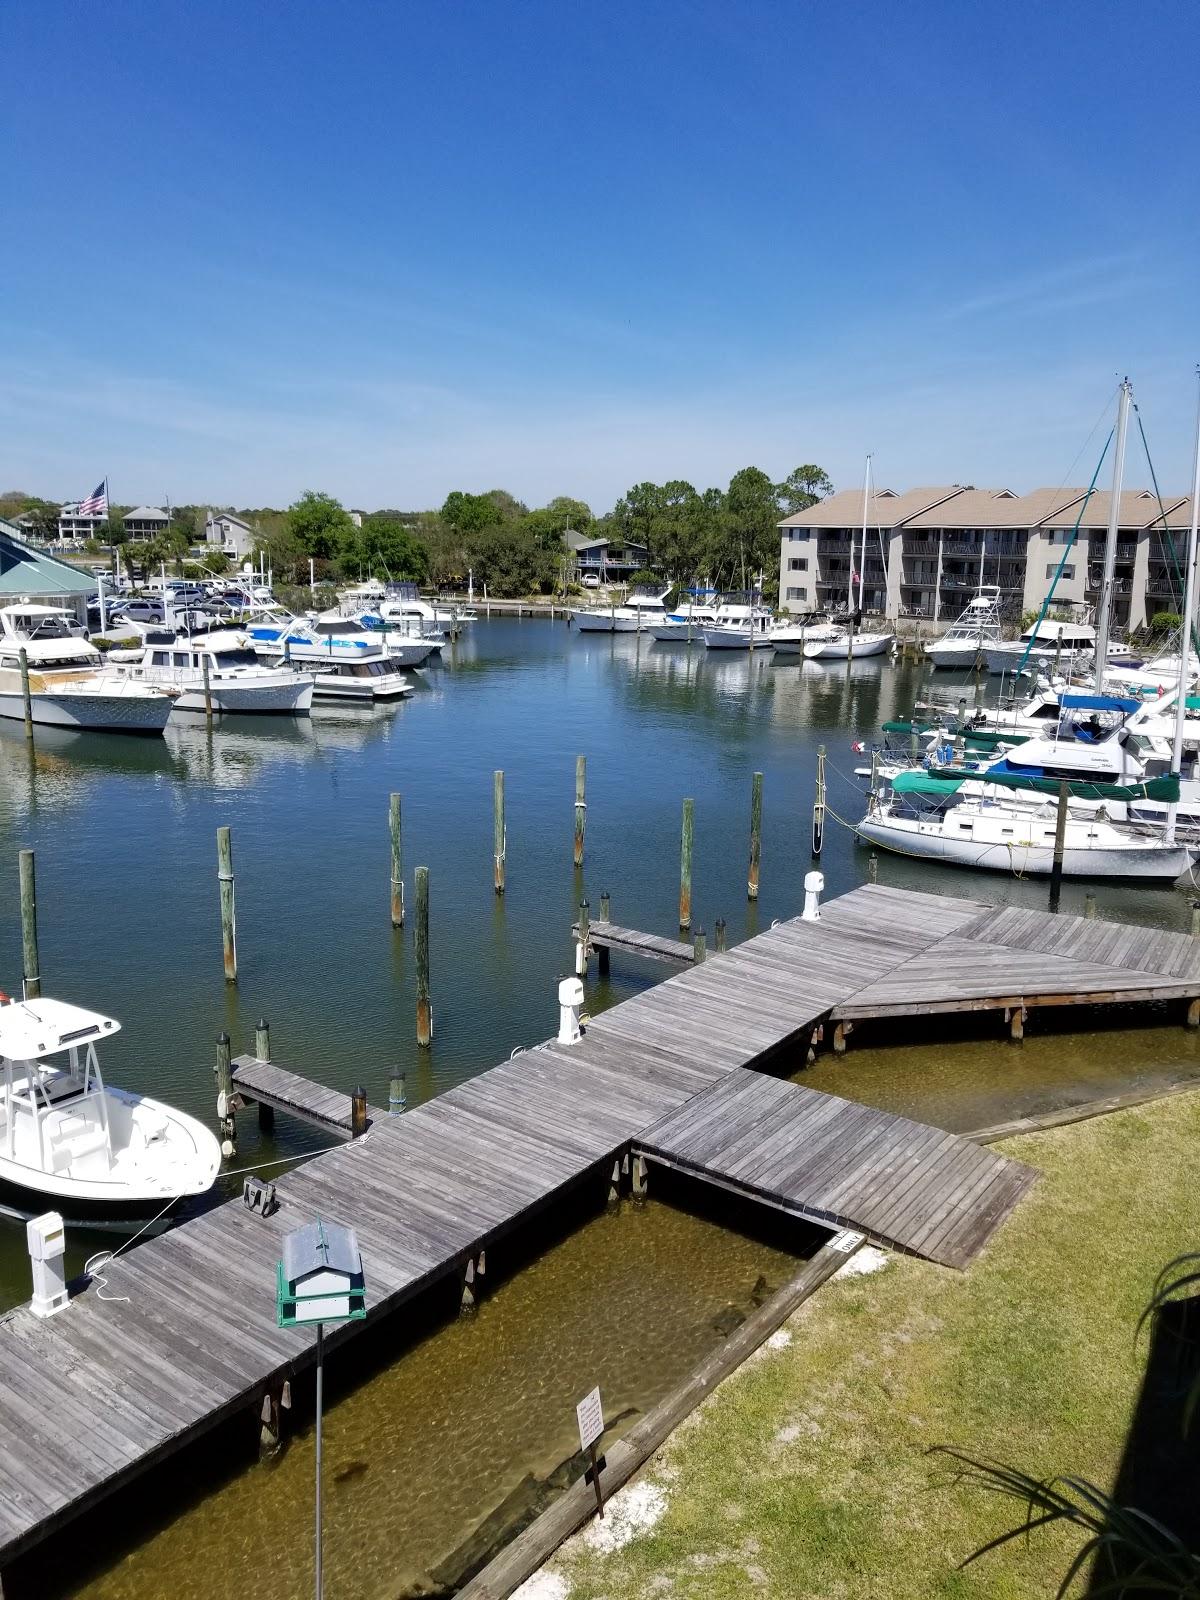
{"x":1005,"y":820}
{"x":846,"y":644}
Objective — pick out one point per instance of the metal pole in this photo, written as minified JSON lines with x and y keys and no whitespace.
{"x":685,"y":866}
{"x":580,"y":806}
{"x":1104,"y":611}
{"x":397,"y":862}
{"x":320,"y":1407}
{"x":756,"y":787}
{"x":32,"y":987}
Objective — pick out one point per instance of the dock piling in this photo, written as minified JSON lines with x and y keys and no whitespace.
{"x":873,"y":868}
{"x":756,"y":785}
{"x":225,"y":1106}
{"x":685,"y":866}
{"x":498,"y":836}
{"x":818,"y":816}
{"x":1060,"y":839}
{"x":358,"y":1111}
{"x":228,"y":905}
{"x":262,"y":1052}
{"x":719,"y":932}
{"x":26,"y":699}
{"x":1196,"y":919}
{"x":581,"y":945}
{"x":208,"y":707}
{"x":1089,"y":906}
{"x":421,"y":949}
{"x":580,"y":806}
{"x":606,"y":907}
{"x":397,"y":861}
{"x":602,"y":954}
{"x":397,"y":1097}
{"x":32,"y":987}
{"x":699,"y":946}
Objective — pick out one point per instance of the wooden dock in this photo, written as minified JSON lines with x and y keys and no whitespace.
{"x":182,"y":1334}
{"x":268,"y":1084}
{"x":653,"y":946}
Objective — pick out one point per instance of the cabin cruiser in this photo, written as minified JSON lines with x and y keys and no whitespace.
{"x":686,"y":624}
{"x":402,"y":649}
{"x":740,"y":625}
{"x":639,"y":611}
{"x":342,"y":668}
{"x":402,"y":606}
{"x":95,"y":1151}
{"x":69,"y":684}
{"x":1045,"y":642}
{"x":237,"y":681}
{"x":963,"y":642}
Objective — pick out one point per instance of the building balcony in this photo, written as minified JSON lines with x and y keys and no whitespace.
{"x":919,"y":546}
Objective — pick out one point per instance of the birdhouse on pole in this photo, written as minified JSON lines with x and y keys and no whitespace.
{"x":320,"y":1278}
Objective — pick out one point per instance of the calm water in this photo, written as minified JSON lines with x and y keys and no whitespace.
{"x":125,"y":839}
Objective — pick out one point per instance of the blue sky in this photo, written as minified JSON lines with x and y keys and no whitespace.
{"x":389,"y":250}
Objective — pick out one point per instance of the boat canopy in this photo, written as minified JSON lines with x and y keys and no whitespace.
{"x":1164,"y":788}
{"x":1100,"y":702}
{"x":32,"y":1028}
{"x":924,"y":782}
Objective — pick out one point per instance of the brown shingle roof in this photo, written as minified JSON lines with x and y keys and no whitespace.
{"x":886,"y":509}
{"x":1139,"y":509}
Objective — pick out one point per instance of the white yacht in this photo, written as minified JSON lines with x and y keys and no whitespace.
{"x":65,"y":1137}
{"x":342,"y":668}
{"x":740,"y":625}
{"x":638,"y":612}
{"x":402,"y":605}
{"x":69,"y":684}
{"x":846,"y":646}
{"x":402,"y":648}
{"x":686,"y":625}
{"x":965,"y":640}
{"x":789,"y":638}
{"x":238,"y":682}
{"x":1046,"y":642}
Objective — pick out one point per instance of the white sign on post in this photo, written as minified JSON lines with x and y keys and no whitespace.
{"x":590,"y":1414}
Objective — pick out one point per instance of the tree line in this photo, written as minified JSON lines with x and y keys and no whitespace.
{"x":724,"y":536}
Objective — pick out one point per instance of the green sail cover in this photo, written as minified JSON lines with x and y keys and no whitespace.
{"x":922,"y":782}
{"x":1165,"y":788}
{"x":980,"y":738}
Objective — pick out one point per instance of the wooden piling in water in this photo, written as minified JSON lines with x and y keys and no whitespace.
{"x":225,"y":1113}
{"x":1089,"y":905}
{"x":605,"y":907}
{"x":397,"y":882}
{"x":358,"y":1111}
{"x":498,"y":836}
{"x":1196,"y":919}
{"x":756,"y":784}
{"x":699,"y":946}
{"x":208,"y":707}
{"x":421,"y":951}
{"x":582,"y":950}
{"x":30,"y":962}
{"x":1060,"y":839}
{"x":818,"y":815}
{"x":228,"y":904}
{"x":26,"y":699}
{"x":719,"y":932}
{"x":262,"y":1052}
{"x":685,"y":865}
{"x":397,"y":1097}
{"x":873,"y":868}
{"x":580,"y":806}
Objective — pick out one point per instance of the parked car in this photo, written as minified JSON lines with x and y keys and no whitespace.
{"x":142,"y":610}
{"x":590,"y":580}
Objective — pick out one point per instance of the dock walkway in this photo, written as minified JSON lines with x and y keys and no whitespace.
{"x":181,"y":1332}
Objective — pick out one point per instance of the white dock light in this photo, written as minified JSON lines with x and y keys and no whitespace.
{"x":814,"y":882}
{"x":47,"y":1247}
{"x":570,"y":1003}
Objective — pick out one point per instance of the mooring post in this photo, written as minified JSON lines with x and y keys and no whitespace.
{"x":32,"y":986}
{"x":225,"y":1115}
{"x":1196,"y":919}
{"x":818,"y":816}
{"x":498,"y":829}
{"x":913,"y":738}
{"x":602,"y":953}
{"x":756,"y":784}
{"x":685,"y":866}
{"x":262,"y":1052}
{"x":397,"y":1096}
{"x":580,"y":806}
{"x":640,"y":1178}
{"x":421,"y":949}
{"x":605,"y":907}
{"x":699,"y":946}
{"x":358,"y":1111}
{"x":228,"y":909}
{"x":582,"y":950}
{"x":873,"y":868}
{"x":26,"y":698}
{"x":1060,"y":839}
{"x":208,"y":714}
{"x":1016,"y":1024}
{"x":719,"y":933}
{"x":1089,"y":907}
{"x":397,"y":862}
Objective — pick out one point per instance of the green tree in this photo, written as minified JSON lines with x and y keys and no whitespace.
{"x":802,"y":488}
{"x":386,"y":541}
{"x":319,"y":524}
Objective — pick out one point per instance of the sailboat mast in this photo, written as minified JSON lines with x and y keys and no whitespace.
{"x":862,"y":558}
{"x":1104,"y":619}
{"x":1185,"y":643}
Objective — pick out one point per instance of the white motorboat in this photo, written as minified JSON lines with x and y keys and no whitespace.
{"x":1046,"y":643}
{"x":848,"y":645}
{"x":66,"y":1138}
{"x":789,"y":638}
{"x":342,"y":668}
{"x":238,"y":682}
{"x":964,"y":641}
{"x":401,"y":605}
{"x":402,"y":648}
{"x":740,"y":625}
{"x":686,"y":626}
{"x":69,"y":684}
{"x":638,"y":612}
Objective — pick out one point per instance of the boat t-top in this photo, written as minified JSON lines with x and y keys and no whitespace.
{"x":686,"y":623}
{"x":638,"y":611}
{"x":965,"y":640}
{"x":69,"y":684}
{"x":65,"y":1136}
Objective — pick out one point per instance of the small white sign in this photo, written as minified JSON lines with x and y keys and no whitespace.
{"x":590,"y":1414}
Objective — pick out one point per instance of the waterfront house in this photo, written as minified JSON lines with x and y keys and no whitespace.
{"x":145,"y":522}
{"x":610,"y":560}
{"x":74,"y":525}
{"x":230,"y":533}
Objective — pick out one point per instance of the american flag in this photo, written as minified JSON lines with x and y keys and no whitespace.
{"x":96,"y":504}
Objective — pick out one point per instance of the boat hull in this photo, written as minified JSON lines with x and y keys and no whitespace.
{"x":932,"y":844}
{"x":99,"y":713}
{"x":954,"y":655}
{"x":735,"y":639}
{"x":285,"y":699}
{"x":867,"y":644}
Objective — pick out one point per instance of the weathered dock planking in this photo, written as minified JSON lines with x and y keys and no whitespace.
{"x":608,"y":936}
{"x":182,"y":1332}
{"x":266,"y":1083}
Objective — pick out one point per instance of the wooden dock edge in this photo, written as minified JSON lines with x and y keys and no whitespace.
{"x":533,"y":1547}
{"x":1083,"y":1111}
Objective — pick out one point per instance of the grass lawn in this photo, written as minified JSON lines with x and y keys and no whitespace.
{"x":805,"y":1473}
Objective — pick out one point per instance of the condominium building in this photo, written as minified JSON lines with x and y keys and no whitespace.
{"x":928,"y":550}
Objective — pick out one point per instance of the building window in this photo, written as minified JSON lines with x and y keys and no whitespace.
{"x":1068,"y":571}
{"x":797,"y":563}
{"x":797,"y":594}
{"x":797,"y":533}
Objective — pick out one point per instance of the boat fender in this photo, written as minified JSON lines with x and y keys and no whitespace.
{"x":5,"y":999}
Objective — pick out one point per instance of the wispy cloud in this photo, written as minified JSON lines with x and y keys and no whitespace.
{"x":1067,"y":287}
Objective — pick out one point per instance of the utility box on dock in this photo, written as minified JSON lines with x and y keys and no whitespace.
{"x":47,"y":1242}
{"x":320,"y":1278}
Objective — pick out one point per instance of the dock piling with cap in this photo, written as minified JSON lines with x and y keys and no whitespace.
{"x":228,"y":905}
{"x":397,"y":881}
{"x":580,"y":806}
{"x":818,"y":815}
{"x":498,"y":834}
{"x":262,"y":1052}
{"x":685,"y":866}
{"x":225,"y":1096}
{"x":30,"y":961}
{"x":421,"y":950}
{"x":756,"y":785}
